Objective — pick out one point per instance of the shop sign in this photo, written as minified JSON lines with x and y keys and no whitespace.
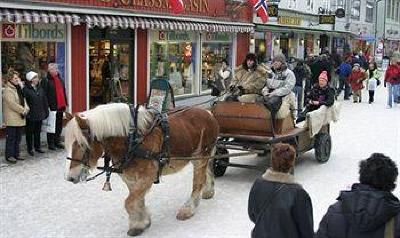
{"x":200,"y":6}
{"x":174,"y":36}
{"x":327,"y":19}
{"x":216,"y":36}
{"x":293,"y":21}
{"x":273,"y":10}
{"x":33,"y":32}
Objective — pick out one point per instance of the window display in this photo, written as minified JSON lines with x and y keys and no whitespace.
{"x":172,"y":56}
{"x":216,"y":48}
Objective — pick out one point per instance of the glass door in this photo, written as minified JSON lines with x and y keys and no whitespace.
{"x":111,"y":71}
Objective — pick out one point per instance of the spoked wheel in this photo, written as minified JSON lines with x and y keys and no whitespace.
{"x":322,"y":147}
{"x":219,"y":167}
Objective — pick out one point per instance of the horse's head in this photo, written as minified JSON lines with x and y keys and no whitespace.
{"x":83,"y":149}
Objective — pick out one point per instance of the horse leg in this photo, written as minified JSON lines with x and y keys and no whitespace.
{"x":199,"y":179}
{"x":139,"y":217}
{"x":208,"y":190}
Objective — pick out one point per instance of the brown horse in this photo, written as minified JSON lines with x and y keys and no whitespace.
{"x":104,"y":130}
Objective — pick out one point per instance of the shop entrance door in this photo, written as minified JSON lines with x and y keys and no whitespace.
{"x":111,"y":71}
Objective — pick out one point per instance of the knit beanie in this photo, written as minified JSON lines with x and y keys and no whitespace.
{"x":324,"y":75}
{"x":280,"y":58}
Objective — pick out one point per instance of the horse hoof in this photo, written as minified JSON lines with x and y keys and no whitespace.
{"x":207,"y":194}
{"x":184,"y":213}
{"x":135,"y":232}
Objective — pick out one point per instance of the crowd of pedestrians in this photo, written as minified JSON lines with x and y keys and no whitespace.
{"x":26,"y":103}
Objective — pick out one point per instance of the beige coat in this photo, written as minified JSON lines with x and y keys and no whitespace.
{"x":251,"y":81}
{"x":12,"y":110}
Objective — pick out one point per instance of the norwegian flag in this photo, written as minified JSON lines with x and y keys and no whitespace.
{"x":261,"y":8}
{"x":177,"y":6}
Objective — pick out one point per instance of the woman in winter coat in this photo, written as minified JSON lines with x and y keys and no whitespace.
{"x":373,"y":76}
{"x":356,"y":79}
{"x":320,"y":94}
{"x":278,"y":206}
{"x":37,"y":102}
{"x":369,"y":209}
{"x":392,"y":80}
{"x":15,"y":109}
{"x":301,"y":73}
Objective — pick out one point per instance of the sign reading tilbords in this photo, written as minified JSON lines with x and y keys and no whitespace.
{"x":327,"y":19}
{"x":33,"y":32}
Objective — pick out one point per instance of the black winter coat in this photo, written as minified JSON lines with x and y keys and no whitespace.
{"x":37,"y":102}
{"x":50,"y":91}
{"x":289,"y":214}
{"x":360,"y":213}
{"x":325,"y":96}
{"x":301,"y":75}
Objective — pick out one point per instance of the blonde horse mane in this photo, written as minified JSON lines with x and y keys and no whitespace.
{"x":107,"y":120}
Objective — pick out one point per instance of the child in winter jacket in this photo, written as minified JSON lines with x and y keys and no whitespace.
{"x":373,"y":82}
{"x":356,"y":79}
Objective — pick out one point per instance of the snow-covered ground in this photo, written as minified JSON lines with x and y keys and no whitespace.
{"x":36,"y":201}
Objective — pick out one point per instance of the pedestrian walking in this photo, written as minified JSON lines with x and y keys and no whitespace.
{"x":344,"y":72}
{"x":278,"y":205}
{"x":15,"y":109}
{"x":37,"y":102}
{"x":392,"y":80}
{"x":373,"y":81}
{"x":356,"y":79}
{"x":369,"y":209}
{"x":54,"y":89}
{"x":301,"y":73}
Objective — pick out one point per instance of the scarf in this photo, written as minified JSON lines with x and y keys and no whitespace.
{"x":371,"y":73}
{"x":60,"y":96}
{"x":20,"y":95}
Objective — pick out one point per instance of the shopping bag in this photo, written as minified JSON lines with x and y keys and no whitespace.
{"x":49,"y":124}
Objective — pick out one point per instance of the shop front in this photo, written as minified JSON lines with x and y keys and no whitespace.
{"x":31,"y":47}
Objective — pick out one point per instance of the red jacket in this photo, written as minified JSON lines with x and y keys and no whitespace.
{"x":393,"y":73}
{"x":356,"y":78}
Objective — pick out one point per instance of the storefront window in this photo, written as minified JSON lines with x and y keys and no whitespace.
{"x":173,"y":57}
{"x":110,"y":66}
{"x":216,"y":47}
{"x":263,"y":49}
{"x":31,"y":47}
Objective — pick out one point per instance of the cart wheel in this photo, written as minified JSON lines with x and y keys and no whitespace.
{"x":218,"y":168}
{"x":322,"y":147}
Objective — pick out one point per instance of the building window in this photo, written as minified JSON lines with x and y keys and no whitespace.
{"x":215,"y":48}
{"x":355,"y":9}
{"x":310,"y":5}
{"x":398,"y":11}
{"x":173,"y":57}
{"x":389,"y":9}
{"x":369,"y":14}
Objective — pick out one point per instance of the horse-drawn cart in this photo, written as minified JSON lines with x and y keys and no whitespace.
{"x":249,"y":127}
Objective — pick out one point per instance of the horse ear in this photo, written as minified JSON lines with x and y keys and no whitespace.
{"x":82,"y":122}
{"x":68,"y":116}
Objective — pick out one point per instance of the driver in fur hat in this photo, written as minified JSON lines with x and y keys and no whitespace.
{"x":249,"y":79}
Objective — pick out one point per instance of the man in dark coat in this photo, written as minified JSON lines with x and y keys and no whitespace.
{"x":57,"y":99}
{"x":278,"y":206}
{"x":369,"y":209}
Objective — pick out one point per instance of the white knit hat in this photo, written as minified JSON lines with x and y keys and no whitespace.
{"x":30,"y":75}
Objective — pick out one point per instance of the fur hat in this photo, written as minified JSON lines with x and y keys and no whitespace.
{"x":323,"y":75}
{"x":30,"y":75}
{"x":283,"y":157}
{"x":280,"y":58}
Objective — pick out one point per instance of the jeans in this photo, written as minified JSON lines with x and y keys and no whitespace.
{"x":371,"y":96}
{"x":32,"y":130}
{"x":343,"y":84}
{"x":298,"y":91}
{"x":393,"y":93}
{"x":54,"y":139}
{"x":13,"y":139}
